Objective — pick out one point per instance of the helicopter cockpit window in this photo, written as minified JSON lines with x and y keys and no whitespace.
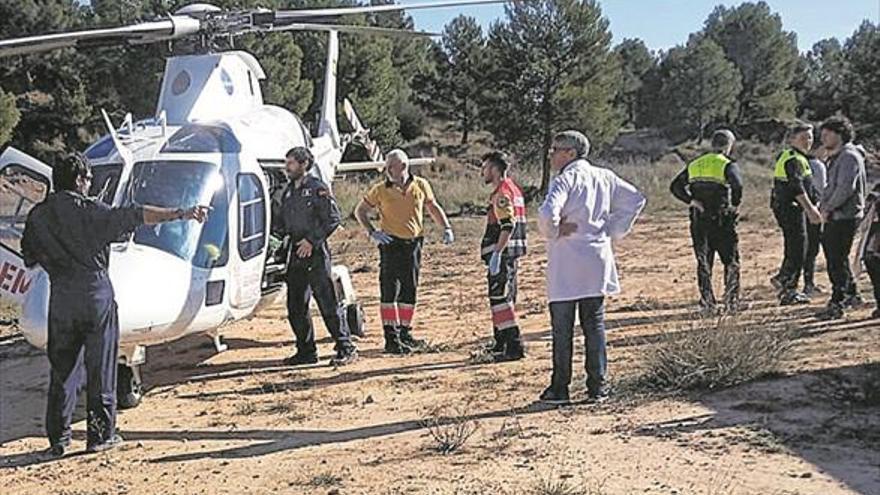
{"x":20,"y":190}
{"x":100,"y":149}
{"x":197,"y":138}
{"x":104,"y":182}
{"x":252,"y":216}
{"x":180,"y":184}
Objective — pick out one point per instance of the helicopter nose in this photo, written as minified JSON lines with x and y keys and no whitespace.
{"x":156,"y":292}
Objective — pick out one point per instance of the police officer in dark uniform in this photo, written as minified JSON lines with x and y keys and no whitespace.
{"x":69,"y":235}
{"x":792,"y":202}
{"x":712,"y":186}
{"x":308,"y":215}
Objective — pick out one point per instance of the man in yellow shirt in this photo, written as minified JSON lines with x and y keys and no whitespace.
{"x":400,"y":199}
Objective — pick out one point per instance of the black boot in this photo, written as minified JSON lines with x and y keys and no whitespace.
{"x":513,"y":346}
{"x":408,"y":340}
{"x":497,"y":347}
{"x":393,"y":344}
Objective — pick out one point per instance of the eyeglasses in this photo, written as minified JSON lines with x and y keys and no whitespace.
{"x":87,"y":177}
{"x":554,"y":149}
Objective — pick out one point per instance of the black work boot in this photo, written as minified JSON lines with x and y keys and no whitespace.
{"x":497,"y":346}
{"x":393,"y":344}
{"x":110,"y":443}
{"x":408,"y":340}
{"x":344,"y":356}
{"x":301,"y":358}
{"x":513,"y":346}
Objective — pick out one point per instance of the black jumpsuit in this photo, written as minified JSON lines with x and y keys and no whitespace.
{"x":69,"y":235}
{"x":310,"y":212}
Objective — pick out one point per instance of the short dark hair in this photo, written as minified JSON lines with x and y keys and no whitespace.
{"x":797,"y":127}
{"x":498,"y":160}
{"x":841,"y":126}
{"x":70,"y":168}
{"x":722,"y":138}
{"x":302,"y":155}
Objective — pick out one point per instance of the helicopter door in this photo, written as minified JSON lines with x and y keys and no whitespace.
{"x":24,"y":182}
{"x":253,"y":230}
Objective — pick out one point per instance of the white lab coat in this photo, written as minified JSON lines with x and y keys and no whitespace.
{"x":604,"y":207}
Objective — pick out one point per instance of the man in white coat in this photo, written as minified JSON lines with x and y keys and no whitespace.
{"x":585,"y":209}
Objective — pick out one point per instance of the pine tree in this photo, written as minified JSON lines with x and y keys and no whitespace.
{"x":636,"y":63}
{"x":551,"y":67}
{"x":861,"y":80}
{"x":699,"y":88}
{"x":766,"y":56}
{"x":820,"y":80}
{"x":459,"y":73}
{"x":9,"y":116}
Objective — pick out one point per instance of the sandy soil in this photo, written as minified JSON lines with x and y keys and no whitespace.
{"x":240,"y":422}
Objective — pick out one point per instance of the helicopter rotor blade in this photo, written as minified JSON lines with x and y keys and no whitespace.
{"x":148,"y":32}
{"x":323,"y":14}
{"x":342,"y":28}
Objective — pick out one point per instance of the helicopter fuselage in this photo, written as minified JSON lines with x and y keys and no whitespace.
{"x":212,"y":142}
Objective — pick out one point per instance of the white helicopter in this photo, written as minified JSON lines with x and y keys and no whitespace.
{"x":211,"y":141}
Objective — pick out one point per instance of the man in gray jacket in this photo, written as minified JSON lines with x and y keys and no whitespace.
{"x":842,"y":207}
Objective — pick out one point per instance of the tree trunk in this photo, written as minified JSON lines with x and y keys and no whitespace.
{"x":465,"y":123}
{"x":545,"y":162}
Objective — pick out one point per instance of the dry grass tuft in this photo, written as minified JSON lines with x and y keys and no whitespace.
{"x":715,"y":354}
{"x":449,"y":433}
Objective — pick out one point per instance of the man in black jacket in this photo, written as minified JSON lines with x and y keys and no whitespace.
{"x":792,"y":204}
{"x":69,"y":236}
{"x":711,"y":186}
{"x":308,"y":215}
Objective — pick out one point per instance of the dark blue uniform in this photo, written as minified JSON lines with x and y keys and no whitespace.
{"x":69,"y":235}
{"x":310,"y":212}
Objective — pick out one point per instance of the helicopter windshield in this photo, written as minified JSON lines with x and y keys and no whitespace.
{"x":181,"y":184}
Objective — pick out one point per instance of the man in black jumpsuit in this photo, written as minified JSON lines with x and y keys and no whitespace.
{"x":69,"y":235}
{"x":308,"y":215}
{"x":712,"y":186}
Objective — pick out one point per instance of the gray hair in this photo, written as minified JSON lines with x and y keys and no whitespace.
{"x":722,"y":138}
{"x":398,"y":155}
{"x":574,"y":140}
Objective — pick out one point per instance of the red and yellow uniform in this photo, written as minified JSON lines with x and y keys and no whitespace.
{"x":507,"y":213}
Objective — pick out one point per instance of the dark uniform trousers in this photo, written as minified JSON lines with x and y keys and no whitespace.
{"x":793,"y":222}
{"x":83,"y":333}
{"x":814,"y":240}
{"x":837,"y":240}
{"x":311,"y":277}
{"x":502,"y":297}
{"x":872,"y":263}
{"x":716,"y":233}
{"x":399,"y":265}
{"x":503,"y":286}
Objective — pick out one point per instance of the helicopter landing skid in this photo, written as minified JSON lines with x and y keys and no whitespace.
{"x":219,"y":345}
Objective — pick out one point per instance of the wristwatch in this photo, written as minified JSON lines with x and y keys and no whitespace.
{"x":180,"y":212}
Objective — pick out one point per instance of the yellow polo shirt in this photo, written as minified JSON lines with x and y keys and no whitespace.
{"x":401,"y":211}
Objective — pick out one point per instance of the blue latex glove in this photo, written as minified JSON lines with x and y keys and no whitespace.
{"x":495,"y":264}
{"x":448,"y":236}
{"x":380,"y":238}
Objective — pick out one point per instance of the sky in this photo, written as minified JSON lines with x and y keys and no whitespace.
{"x":662,"y":24}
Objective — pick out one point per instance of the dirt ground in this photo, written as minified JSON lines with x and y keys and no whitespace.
{"x":240,"y":422}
